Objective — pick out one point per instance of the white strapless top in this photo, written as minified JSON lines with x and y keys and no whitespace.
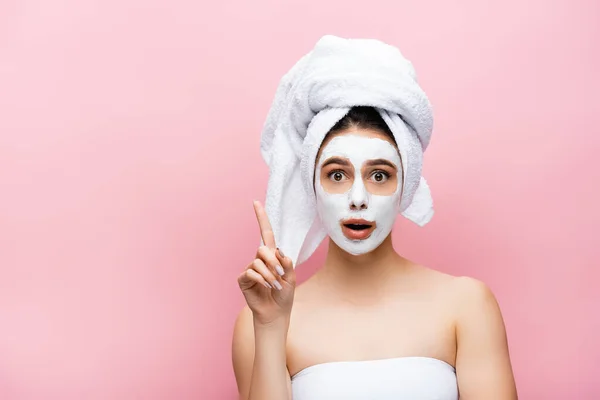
{"x":403,"y":378}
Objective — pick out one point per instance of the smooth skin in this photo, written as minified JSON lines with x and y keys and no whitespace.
{"x":374,"y":306}
{"x":259,"y":341}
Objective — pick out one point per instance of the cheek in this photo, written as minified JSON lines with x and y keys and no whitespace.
{"x":332,"y":187}
{"x":389,"y":188}
{"x":385,"y":208}
{"x":331,"y":204}
{"x":387,"y":203}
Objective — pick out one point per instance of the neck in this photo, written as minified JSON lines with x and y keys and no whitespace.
{"x":364,"y":274}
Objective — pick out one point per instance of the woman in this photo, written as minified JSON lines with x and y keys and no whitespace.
{"x":370,"y":324}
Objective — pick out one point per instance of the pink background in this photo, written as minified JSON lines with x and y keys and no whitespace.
{"x":129,"y":158}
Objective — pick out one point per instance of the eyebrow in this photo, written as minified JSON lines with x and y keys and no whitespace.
{"x":380,"y":161}
{"x":336,"y":160}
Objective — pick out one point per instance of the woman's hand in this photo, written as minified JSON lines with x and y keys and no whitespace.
{"x":269,"y":281}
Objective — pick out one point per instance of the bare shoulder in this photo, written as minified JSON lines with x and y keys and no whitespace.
{"x":472,"y":295}
{"x":477,"y":311}
{"x":469,"y":289}
{"x":483,"y":364}
{"x":467,"y":296}
{"x":434,"y":280}
{"x":458,"y":288}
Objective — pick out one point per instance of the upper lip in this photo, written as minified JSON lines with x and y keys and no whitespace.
{"x":355,"y":221}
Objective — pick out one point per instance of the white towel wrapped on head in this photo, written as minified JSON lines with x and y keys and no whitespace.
{"x":312,"y":97}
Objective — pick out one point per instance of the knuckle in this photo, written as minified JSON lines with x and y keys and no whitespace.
{"x":266,"y":255}
{"x":263,"y":250}
{"x":242,"y":279}
{"x":256,"y":264}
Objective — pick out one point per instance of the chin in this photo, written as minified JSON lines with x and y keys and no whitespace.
{"x":358,"y":247}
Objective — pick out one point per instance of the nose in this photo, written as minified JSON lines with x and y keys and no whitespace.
{"x":358,"y":196}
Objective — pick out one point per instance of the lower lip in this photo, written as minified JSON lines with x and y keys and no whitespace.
{"x":357,"y":235}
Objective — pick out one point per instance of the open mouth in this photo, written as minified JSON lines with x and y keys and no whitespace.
{"x":357,"y":229}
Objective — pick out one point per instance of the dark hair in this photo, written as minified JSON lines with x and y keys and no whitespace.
{"x":364,"y":117}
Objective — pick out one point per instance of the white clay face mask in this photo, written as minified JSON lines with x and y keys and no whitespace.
{"x":357,"y":202}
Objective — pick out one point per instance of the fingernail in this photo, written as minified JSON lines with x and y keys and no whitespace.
{"x":277,"y":285}
{"x":280,"y":252}
{"x":268,"y":286}
{"x":279,"y":270}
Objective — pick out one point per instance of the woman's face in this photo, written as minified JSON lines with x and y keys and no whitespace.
{"x":358,"y":185}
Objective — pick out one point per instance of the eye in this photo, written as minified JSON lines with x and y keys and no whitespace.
{"x":337,"y":176}
{"x":380,"y":176}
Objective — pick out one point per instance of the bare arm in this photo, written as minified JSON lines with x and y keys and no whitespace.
{"x":483,"y":365}
{"x":259,"y":359}
{"x":259,"y":338}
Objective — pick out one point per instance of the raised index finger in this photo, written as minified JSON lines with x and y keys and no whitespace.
{"x":266,"y":232}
